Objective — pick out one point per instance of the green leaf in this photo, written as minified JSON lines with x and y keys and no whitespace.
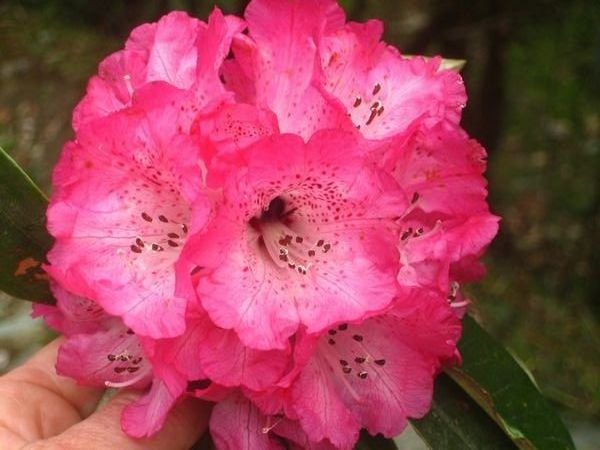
{"x":24,"y":240}
{"x":455,"y":421}
{"x":453,"y":64}
{"x":447,"y":64}
{"x":492,"y":377}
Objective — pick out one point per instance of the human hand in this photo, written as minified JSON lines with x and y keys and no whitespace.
{"x":40,"y":410}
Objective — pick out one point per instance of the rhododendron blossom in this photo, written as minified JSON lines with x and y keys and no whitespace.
{"x":273,"y":213}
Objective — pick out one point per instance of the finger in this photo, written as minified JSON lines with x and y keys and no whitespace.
{"x":184,"y":425}
{"x":36,"y":403}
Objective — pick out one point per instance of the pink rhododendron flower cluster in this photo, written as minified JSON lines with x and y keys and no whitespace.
{"x":274,"y":214}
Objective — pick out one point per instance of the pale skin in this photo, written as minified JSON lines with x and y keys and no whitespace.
{"x":40,"y":410}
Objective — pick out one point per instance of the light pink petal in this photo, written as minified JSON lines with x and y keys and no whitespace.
{"x":226,"y":131}
{"x":321,"y":411}
{"x":213,"y":44}
{"x":172,"y":52}
{"x":428,"y":251}
{"x":74,"y":314}
{"x":228,"y":362}
{"x":236,"y":424}
{"x":382,"y":91}
{"x":121,"y":218}
{"x":206,"y":351}
{"x":146,"y":416}
{"x":443,"y":168}
{"x":110,"y":357}
{"x":163,"y":51}
{"x":342,"y":262}
{"x":282,"y":56}
{"x":178,"y":49}
{"x":379,"y":373}
{"x":297,"y":438}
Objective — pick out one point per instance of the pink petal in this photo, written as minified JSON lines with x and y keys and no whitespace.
{"x":444,"y":168}
{"x":297,"y":438}
{"x":383,"y":92}
{"x":178,"y":49}
{"x":121,"y":217}
{"x":377,"y":373}
{"x":235,"y":424}
{"x":147,"y":415}
{"x":345,"y":210}
{"x":282,"y":57}
{"x":112,"y":356}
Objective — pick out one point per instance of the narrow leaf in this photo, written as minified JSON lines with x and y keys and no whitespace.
{"x":455,"y":421}
{"x":24,"y":240}
{"x":492,"y":377}
{"x":447,"y":64}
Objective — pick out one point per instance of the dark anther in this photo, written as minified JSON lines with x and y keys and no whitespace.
{"x":320,"y":242}
{"x":157,"y":248}
{"x":406,"y":234}
{"x":357,"y":102}
{"x":163,"y":219}
{"x":376,"y":89}
{"x":380,"y":362}
{"x":326,"y":248}
{"x":299,"y":239}
{"x":362,"y":375}
{"x":195,"y":270}
{"x":357,"y":338}
{"x":146,"y":217}
{"x":172,"y":243}
{"x":372,"y":117}
{"x":184,"y":228}
{"x":311,"y":253}
{"x":346,"y":369}
{"x":332,"y":332}
{"x":359,"y":359}
{"x":198,"y":384}
{"x":173,"y":235}
{"x":111,"y":357}
{"x":343,"y":362}
{"x":139,"y":242}
{"x":415,"y":197}
{"x":343,"y":327}
{"x":119,"y":369}
{"x":132,"y":369}
{"x":135,"y":249}
{"x":130,"y":331}
{"x":331,"y":342}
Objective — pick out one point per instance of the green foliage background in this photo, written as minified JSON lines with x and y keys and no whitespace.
{"x":533,"y":76}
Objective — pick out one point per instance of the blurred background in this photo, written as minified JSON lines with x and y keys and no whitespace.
{"x":533,"y":77}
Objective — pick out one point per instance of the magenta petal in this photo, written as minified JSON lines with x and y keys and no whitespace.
{"x":122,"y":216}
{"x":383,"y":92}
{"x":332,"y":258}
{"x":444,"y":168}
{"x":147,"y":415}
{"x":281,"y":60}
{"x":377,"y":374}
{"x":163,"y":51}
{"x":111,"y":357}
{"x":236,"y":424}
